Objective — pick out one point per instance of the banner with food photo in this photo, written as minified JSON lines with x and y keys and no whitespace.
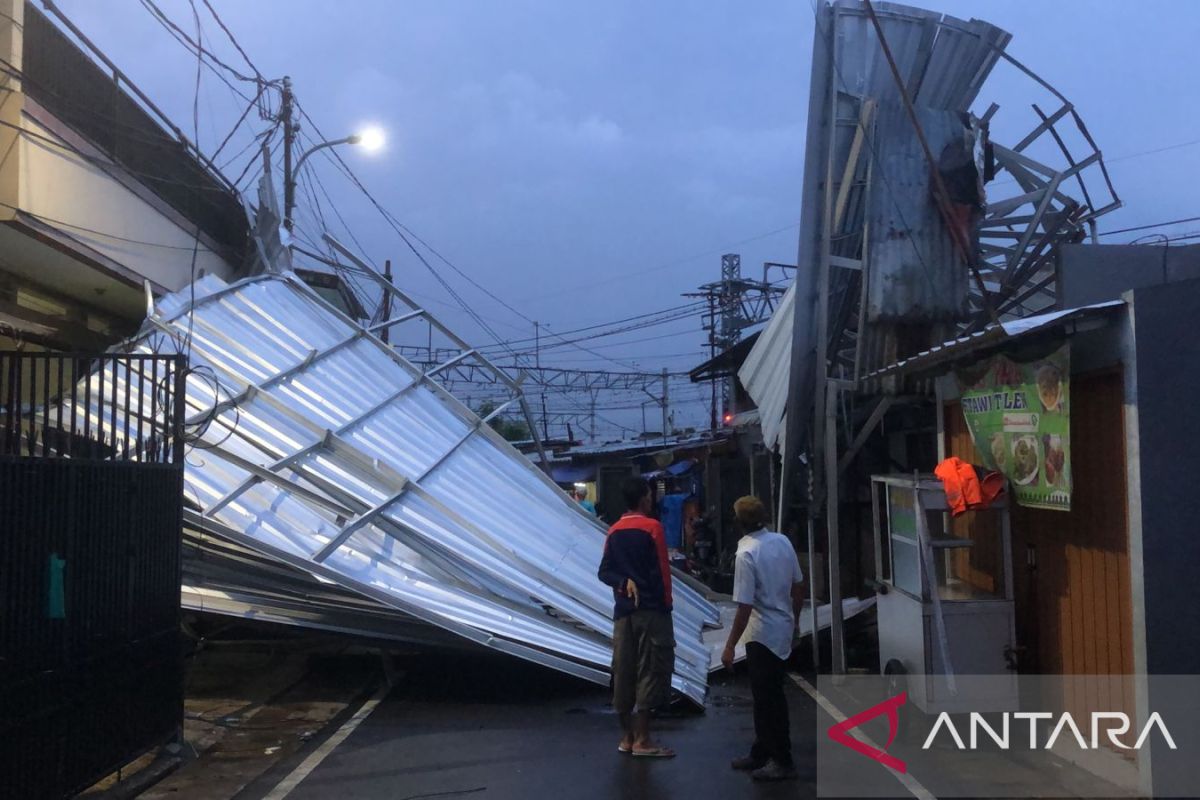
{"x":1019,"y":417}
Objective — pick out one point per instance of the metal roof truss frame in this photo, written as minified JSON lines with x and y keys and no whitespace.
{"x":324,"y":449}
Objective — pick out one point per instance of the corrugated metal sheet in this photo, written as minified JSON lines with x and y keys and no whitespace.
{"x":765,"y":371}
{"x":991,"y":335}
{"x":916,"y":274}
{"x":946,"y":61}
{"x":222,"y":577}
{"x":333,"y":454}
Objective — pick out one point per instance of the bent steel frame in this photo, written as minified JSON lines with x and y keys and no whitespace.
{"x":320,"y":447}
{"x":865,"y":55}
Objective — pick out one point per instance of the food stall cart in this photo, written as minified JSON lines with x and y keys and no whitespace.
{"x":945,"y":598}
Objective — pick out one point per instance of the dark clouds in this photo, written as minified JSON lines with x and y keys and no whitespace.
{"x":547,"y":147}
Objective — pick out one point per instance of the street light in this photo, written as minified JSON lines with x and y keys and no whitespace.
{"x":370,"y":139}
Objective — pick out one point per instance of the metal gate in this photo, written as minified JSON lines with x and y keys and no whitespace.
{"x":90,"y":522}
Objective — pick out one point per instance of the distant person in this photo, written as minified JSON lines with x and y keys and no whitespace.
{"x":769,"y":595}
{"x":635,"y":566}
{"x":581,"y":498}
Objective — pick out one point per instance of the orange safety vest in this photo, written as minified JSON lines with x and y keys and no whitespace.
{"x":964,"y":490}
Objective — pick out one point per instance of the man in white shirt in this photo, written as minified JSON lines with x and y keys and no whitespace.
{"x":768,"y":590}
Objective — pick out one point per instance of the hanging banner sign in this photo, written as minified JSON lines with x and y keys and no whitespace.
{"x":1019,"y":417}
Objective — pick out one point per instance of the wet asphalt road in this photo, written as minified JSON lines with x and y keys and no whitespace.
{"x":496,"y":728}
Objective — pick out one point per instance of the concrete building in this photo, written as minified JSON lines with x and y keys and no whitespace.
{"x":100,"y":194}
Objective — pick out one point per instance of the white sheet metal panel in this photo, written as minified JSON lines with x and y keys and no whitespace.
{"x":333,"y":454}
{"x":767,"y":369}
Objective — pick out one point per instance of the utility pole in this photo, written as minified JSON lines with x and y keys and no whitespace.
{"x":592,"y":417}
{"x":734,"y":304}
{"x":537,"y":344}
{"x":387,"y":301}
{"x":712,"y":354}
{"x":289,"y":138}
{"x":665,"y":407}
{"x":545,"y":424}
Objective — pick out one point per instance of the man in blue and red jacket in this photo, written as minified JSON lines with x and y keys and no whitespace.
{"x":636,"y":566}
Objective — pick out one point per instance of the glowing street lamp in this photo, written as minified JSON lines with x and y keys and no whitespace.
{"x":369,"y":139}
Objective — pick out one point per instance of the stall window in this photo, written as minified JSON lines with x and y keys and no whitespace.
{"x":902,"y":527}
{"x":969,"y":560}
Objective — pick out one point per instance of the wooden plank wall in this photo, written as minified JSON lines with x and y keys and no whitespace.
{"x":1071,"y":570}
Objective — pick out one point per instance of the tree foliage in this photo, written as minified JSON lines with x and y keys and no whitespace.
{"x":512,"y":430}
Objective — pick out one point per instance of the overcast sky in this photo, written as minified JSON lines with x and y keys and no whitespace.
{"x":589,"y":161}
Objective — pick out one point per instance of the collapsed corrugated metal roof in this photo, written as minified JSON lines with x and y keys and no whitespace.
{"x":321,"y":448}
{"x":945,"y":62}
{"x":877,"y":278}
{"x":766,"y":370}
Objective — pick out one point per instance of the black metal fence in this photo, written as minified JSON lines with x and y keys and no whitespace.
{"x":91,"y":494}
{"x":110,"y":407}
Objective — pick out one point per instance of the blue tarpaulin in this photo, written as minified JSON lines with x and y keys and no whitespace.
{"x":670,"y":512}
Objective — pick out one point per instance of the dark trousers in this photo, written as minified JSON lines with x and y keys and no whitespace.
{"x":772,"y":732}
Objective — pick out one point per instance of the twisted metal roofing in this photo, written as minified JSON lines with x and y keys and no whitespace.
{"x":331,"y":453}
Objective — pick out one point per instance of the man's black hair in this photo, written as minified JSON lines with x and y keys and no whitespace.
{"x":633,"y":490}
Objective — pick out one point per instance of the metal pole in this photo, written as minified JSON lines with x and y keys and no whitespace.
{"x":387,"y":302}
{"x":812,"y":593}
{"x":712,"y":352}
{"x":771,"y":487}
{"x":537,"y":344}
{"x":545,"y":424}
{"x":666,"y":424}
{"x":836,"y":636}
{"x":289,"y":138}
{"x":801,"y":396}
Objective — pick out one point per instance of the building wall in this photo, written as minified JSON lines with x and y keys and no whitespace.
{"x":12,"y":16}
{"x":1168,"y":382}
{"x":80,"y":230}
{"x":69,"y":191}
{"x":1071,"y":570}
{"x":1094,"y":273}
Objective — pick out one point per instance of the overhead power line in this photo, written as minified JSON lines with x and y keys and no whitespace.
{"x":687,"y":307}
{"x":1150,"y":226}
{"x":195,"y":46}
{"x":600,"y":334}
{"x":233,"y":40}
{"x":407,"y":236}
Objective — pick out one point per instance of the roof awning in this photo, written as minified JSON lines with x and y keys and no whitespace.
{"x":993,"y":335}
{"x":766,"y":371}
{"x":724,"y":363}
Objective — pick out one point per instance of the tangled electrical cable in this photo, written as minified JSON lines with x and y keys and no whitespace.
{"x":195,"y":429}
